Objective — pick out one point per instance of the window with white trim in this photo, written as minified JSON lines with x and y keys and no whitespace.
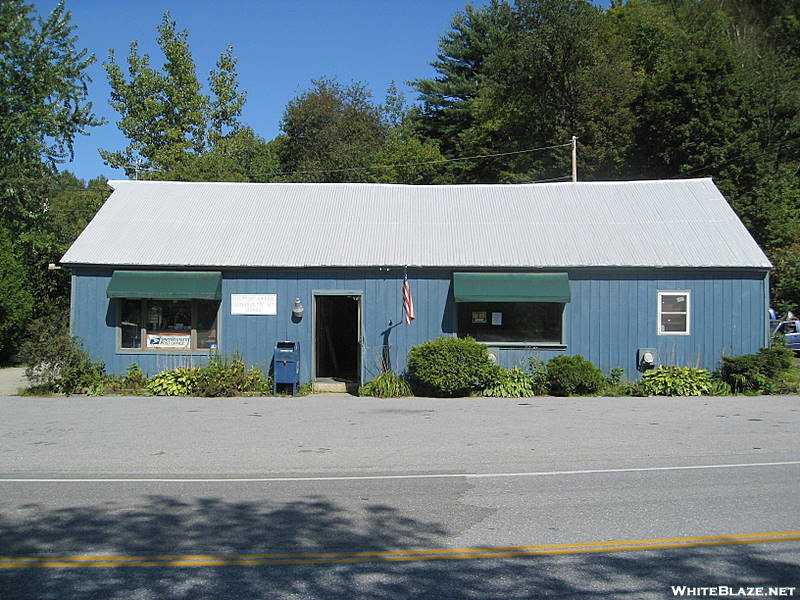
{"x":674,"y":313}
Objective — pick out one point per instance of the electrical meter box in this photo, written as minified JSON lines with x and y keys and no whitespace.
{"x":646,"y":358}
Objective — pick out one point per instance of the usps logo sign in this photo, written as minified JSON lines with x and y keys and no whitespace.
{"x":172,"y":341}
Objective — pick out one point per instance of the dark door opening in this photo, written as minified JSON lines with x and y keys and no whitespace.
{"x":337,"y":345}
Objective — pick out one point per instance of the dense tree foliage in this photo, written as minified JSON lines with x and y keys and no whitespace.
{"x":331,"y":132}
{"x":43,"y":106}
{"x":652,"y":89}
{"x":335,"y":133}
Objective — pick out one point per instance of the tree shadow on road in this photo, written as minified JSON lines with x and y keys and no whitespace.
{"x":161,"y":525}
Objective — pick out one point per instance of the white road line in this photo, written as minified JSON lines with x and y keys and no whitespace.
{"x":385,"y":477}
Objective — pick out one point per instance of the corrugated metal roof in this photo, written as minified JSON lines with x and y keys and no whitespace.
{"x":674,"y":223}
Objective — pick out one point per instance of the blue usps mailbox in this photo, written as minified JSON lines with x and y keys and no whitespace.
{"x":286,"y":365}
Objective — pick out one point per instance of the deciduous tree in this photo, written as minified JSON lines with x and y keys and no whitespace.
{"x":165,"y":115}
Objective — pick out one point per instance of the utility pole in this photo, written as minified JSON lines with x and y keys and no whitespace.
{"x":574,"y":158}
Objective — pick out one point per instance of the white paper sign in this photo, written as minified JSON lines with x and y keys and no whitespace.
{"x":254,"y":304}
{"x":497,"y":318}
{"x":169,"y":340}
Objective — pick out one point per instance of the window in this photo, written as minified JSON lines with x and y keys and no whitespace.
{"x":673,"y":313}
{"x":514,"y":322}
{"x":182,"y":325}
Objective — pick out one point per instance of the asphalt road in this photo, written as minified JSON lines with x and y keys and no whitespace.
{"x":326,"y":497}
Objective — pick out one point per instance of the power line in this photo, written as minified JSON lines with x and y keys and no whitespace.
{"x":563,"y":178}
{"x":428,"y":162}
{"x":391,"y":166}
{"x":764,"y":151}
{"x":45,"y":182}
{"x":53,"y":186}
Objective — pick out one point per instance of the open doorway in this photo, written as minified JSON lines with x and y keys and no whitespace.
{"x":337,"y":347}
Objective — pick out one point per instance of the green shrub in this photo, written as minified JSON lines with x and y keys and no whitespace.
{"x":221,"y":377}
{"x":56,"y":361}
{"x":717,"y":387}
{"x":615,"y":376}
{"x":676,"y":381}
{"x":177,"y":382}
{"x":537,"y":370}
{"x":616,"y":385}
{"x":508,"y":383}
{"x":305,"y":389}
{"x":757,"y":372}
{"x":777,"y":357}
{"x":743,"y":373}
{"x":568,"y":375}
{"x":448,"y":366}
{"x":229,"y":377}
{"x":134,"y":378}
{"x":386,"y":385}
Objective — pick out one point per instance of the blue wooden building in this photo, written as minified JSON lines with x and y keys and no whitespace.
{"x":620,"y":272}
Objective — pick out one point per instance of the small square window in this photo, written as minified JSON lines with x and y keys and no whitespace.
{"x":673,"y":313}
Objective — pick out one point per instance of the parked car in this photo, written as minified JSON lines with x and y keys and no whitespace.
{"x":789,"y":327}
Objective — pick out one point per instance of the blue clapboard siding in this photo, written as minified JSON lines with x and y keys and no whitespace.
{"x":612,"y":313}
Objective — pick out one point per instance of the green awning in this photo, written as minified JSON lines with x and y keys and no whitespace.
{"x":172,"y":285}
{"x":511,"y":287}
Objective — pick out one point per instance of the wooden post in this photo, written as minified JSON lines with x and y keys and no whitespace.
{"x":574,"y":158}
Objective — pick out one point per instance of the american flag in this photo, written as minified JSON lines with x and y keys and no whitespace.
{"x":408,"y":302}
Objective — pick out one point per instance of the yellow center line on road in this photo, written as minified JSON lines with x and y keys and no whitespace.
{"x":211,"y":560}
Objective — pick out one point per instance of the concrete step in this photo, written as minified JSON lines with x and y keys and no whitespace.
{"x":330,"y":386}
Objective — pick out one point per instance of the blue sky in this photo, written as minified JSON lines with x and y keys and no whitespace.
{"x":281,"y":47}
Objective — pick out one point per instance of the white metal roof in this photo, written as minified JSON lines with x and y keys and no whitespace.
{"x":674,"y":223}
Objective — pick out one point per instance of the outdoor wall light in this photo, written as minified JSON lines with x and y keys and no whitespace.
{"x":298,"y":310}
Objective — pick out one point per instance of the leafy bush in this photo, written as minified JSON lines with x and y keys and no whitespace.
{"x":777,"y":357}
{"x":717,"y":387}
{"x":508,"y":383}
{"x":134,"y":378}
{"x":743,"y":373}
{"x":676,"y":381}
{"x":568,"y":375}
{"x":757,"y":372}
{"x":615,"y":376}
{"x":305,"y":389}
{"x":221,"y":377}
{"x":448,"y":366}
{"x":56,"y":361}
{"x":177,"y":382}
{"x":616,"y":384}
{"x":537,"y":370}
{"x":386,"y":385}
{"x":229,"y":377}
